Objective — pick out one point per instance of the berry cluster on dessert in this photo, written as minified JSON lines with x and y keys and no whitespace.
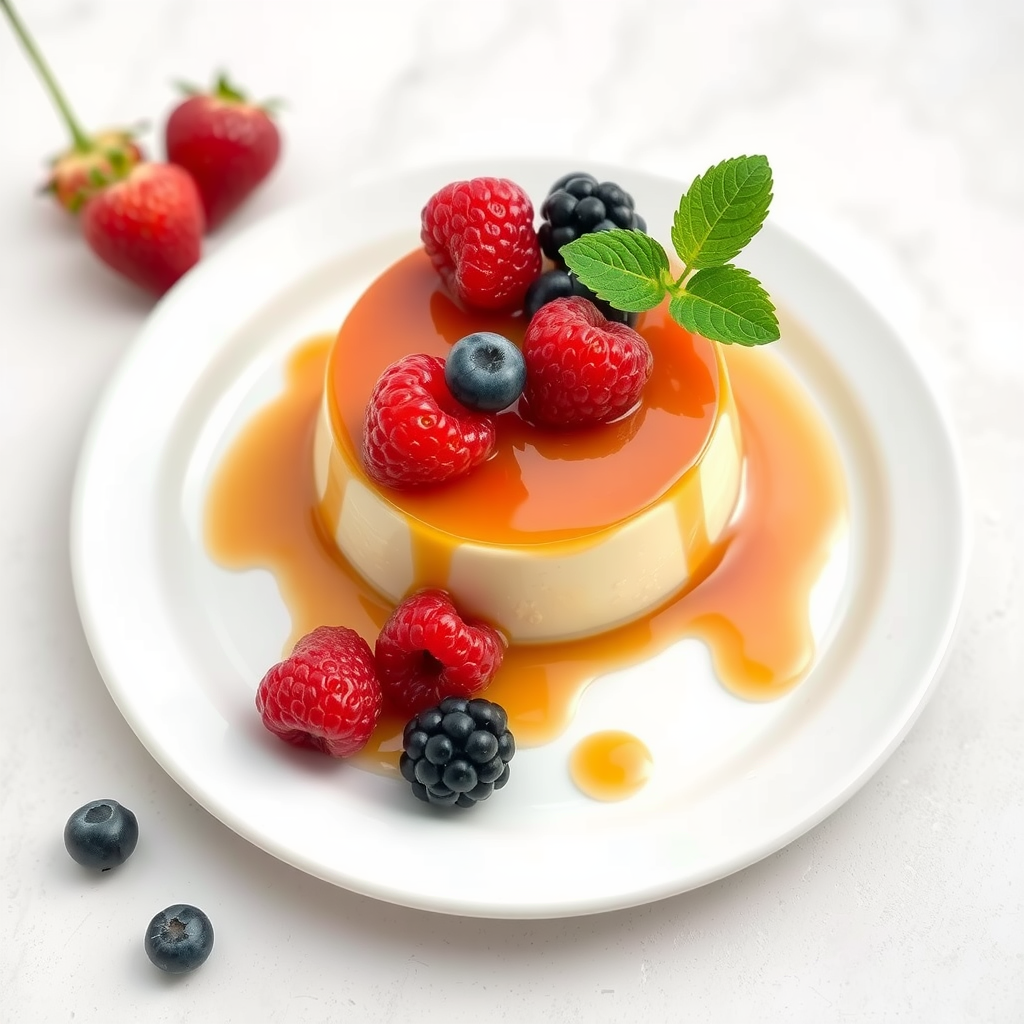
{"x":579,"y":363}
{"x":517,"y":362}
{"x":328,"y":694}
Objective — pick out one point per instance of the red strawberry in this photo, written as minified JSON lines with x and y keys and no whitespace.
{"x":226,"y":143}
{"x":581,"y":368}
{"x":416,"y":433}
{"x":92,"y":160}
{"x":426,"y":652}
{"x":479,"y":236}
{"x":148,"y":227}
{"x":325,"y":694}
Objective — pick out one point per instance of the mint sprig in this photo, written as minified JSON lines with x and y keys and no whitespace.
{"x":627,"y":268}
{"x":718,"y":215}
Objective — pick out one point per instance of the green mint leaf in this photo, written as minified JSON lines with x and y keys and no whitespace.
{"x":626,"y":268}
{"x":726,"y":304}
{"x":722,"y":211}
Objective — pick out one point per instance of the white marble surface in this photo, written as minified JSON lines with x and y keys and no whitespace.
{"x":893,"y":126}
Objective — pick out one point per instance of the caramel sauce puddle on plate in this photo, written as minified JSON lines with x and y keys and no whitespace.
{"x":748,"y":602}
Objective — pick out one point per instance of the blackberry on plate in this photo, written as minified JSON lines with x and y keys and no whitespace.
{"x":560,"y":284}
{"x":457,"y":752}
{"x":577,"y":204}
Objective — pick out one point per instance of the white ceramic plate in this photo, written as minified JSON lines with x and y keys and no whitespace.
{"x":182,"y":643}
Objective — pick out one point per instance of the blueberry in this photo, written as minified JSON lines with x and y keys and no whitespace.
{"x":179,"y":939}
{"x":555,"y":284}
{"x":101,"y":834}
{"x":485,"y":371}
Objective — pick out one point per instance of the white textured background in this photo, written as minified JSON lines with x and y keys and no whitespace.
{"x":893,"y":126}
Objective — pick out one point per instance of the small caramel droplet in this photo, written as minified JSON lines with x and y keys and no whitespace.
{"x":610,"y":765}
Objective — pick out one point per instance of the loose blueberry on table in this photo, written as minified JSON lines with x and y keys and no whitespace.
{"x":179,"y":939}
{"x":101,"y":834}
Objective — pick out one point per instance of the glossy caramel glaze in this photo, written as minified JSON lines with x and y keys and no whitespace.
{"x":532,"y":486}
{"x":748,"y":601}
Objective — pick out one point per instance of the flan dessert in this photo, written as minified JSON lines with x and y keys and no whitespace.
{"x":561,"y":533}
{"x":702,"y":500}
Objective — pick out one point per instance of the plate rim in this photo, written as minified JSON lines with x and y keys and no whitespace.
{"x":193,"y":283}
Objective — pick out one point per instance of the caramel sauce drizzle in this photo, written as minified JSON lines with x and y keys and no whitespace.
{"x":748,"y":600}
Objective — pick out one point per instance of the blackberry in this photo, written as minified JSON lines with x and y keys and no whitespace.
{"x":577,"y":204}
{"x":559,"y":284}
{"x":457,"y":752}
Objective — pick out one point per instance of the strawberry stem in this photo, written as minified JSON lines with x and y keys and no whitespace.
{"x":81,"y":141}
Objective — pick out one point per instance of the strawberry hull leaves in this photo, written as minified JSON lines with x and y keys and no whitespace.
{"x":717,"y":216}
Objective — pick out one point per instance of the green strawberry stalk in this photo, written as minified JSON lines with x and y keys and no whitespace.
{"x":717,"y":216}
{"x":93,"y":160}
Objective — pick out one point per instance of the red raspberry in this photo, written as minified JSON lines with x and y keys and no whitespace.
{"x":426,"y":652}
{"x":581,"y":368}
{"x":479,"y":236}
{"x":415,"y":432}
{"x":325,"y":695}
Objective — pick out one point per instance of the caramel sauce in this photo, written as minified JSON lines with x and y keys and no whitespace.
{"x":610,"y":765}
{"x":748,"y":600}
{"x":531,"y":487}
